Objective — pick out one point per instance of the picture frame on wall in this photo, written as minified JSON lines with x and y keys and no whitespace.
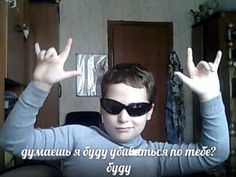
{"x":92,"y":68}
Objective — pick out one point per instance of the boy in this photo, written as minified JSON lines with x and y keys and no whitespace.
{"x":116,"y":148}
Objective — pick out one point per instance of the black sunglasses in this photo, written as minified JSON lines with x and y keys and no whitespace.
{"x":133,"y":109}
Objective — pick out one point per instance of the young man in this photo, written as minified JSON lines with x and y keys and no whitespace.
{"x":117,"y":148}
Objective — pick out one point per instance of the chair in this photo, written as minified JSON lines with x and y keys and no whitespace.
{"x":33,"y":170}
{"x":86,"y":118}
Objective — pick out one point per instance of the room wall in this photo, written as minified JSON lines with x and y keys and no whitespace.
{"x":86,"y":22}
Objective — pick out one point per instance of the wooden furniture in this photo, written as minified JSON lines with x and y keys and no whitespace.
{"x":2,"y":70}
{"x":16,"y":63}
{"x":17,"y":57}
{"x":209,"y":36}
{"x":44,"y":25}
{"x":10,"y":72}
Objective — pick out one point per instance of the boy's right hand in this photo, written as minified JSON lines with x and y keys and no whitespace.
{"x":50,"y":66}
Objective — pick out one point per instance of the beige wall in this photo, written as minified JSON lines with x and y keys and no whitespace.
{"x":86,"y":22}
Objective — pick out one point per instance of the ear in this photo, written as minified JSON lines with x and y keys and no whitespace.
{"x":149,"y":115}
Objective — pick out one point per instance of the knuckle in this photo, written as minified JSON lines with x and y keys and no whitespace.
{"x":51,"y":49}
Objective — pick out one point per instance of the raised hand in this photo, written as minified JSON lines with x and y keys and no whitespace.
{"x":203,"y":78}
{"x":50,"y":66}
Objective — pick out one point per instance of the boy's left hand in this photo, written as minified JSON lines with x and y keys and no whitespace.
{"x":203,"y":78}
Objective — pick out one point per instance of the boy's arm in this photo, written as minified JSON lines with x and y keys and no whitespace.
{"x":211,"y":150}
{"x":203,"y":80}
{"x":18,"y":132}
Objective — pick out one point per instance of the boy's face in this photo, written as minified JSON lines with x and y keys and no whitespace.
{"x":122,"y":127}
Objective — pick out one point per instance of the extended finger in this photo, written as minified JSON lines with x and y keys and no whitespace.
{"x":185,"y":79}
{"x":51,"y":52}
{"x":212,"y":66}
{"x":217,"y":59}
{"x":66,"y":50}
{"x":71,"y":74}
{"x":42,"y":54}
{"x":37,"y":48}
{"x":203,"y":65}
{"x":190,"y":64}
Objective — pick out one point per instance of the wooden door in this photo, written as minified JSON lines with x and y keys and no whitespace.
{"x":147,"y":43}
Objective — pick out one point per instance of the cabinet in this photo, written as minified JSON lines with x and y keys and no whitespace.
{"x":16,"y":62}
{"x":2,"y":70}
{"x":44,"y":25}
{"x":17,"y":56}
{"x":13,"y":43}
{"x":208,"y":37}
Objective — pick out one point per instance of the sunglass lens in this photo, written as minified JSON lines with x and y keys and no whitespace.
{"x":138,"y":109}
{"x":111,"y":106}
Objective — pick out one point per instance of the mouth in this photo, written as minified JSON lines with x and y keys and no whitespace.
{"x":124,"y":129}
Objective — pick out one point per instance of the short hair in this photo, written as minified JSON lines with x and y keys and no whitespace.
{"x":132,"y":74}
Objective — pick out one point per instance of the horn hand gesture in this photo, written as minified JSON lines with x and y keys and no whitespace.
{"x":50,"y":66}
{"x":203,"y":78}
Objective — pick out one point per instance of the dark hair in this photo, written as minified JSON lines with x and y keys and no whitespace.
{"x":131,"y":74}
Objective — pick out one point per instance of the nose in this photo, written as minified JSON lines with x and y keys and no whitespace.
{"x":123,"y":116}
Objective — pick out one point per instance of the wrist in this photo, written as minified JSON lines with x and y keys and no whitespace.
{"x":43,"y":86}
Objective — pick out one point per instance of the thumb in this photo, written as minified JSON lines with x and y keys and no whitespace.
{"x":184,"y":78}
{"x":69,"y":74}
